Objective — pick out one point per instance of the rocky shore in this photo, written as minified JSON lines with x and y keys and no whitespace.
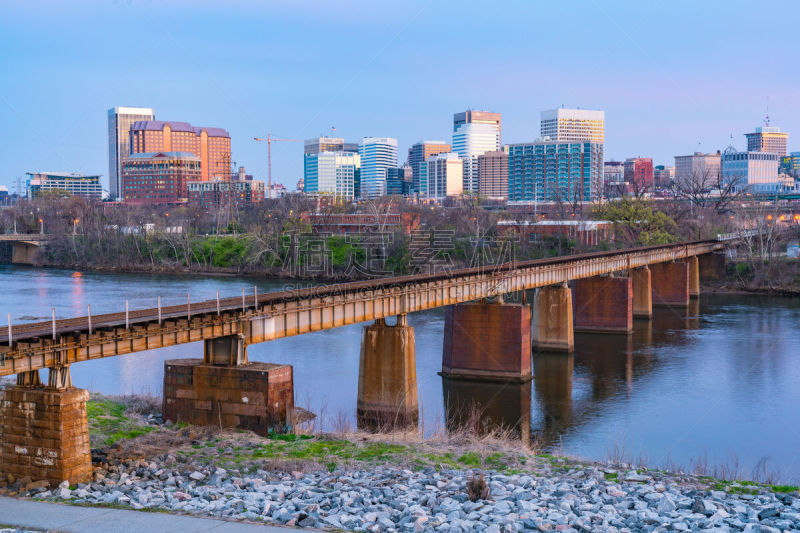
{"x":548,"y":494}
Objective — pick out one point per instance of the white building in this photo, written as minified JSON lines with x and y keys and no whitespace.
{"x":120,"y":120}
{"x":72,"y":183}
{"x":470,"y":140}
{"x":377,"y":155}
{"x":570,"y":125}
{"x":331,"y":173}
{"x":444,"y":175}
{"x":751,"y":171}
{"x":697,"y":169}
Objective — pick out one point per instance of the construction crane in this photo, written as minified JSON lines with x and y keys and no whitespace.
{"x":269,"y":139}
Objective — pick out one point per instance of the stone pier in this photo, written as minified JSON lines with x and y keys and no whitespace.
{"x":387,"y":376}
{"x":226,"y":391}
{"x":45,"y":430}
{"x":642,"y":293}
{"x":711,"y":266}
{"x":552,"y":329}
{"x":603,"y":304}
{"x":694,"y":277}
{"x":670,"y":282}
{"x":487,"y":341}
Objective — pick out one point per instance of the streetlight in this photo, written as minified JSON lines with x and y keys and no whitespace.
{"x":74,"y":226}
{"x":41,"y":226}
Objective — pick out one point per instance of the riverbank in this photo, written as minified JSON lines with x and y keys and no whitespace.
{"x":393,"y":482}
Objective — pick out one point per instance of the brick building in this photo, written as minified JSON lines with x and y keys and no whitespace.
{"x":158,"y":177}
{"x":218,"y":193}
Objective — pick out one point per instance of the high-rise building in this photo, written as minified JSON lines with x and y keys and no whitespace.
{"x":769,"y":139}
{"x":752,"y":171}
{"x":698,"y":170}
{"x":377,"y":154}
{"x":328,"y":144}
{"x":215,"y":194}
{"x":639,"y":172}
{"x":663,"y":175}
{"x":399,"y":182}
{"x":420,"y":152}
{"x":120,"y":120}
{"x":570,"y":125}
{"x":790,"y":164}
{"x":550,"y":171}
{"x":72,"y":183}
{"x":472,"y":116}
{"x":444,"y":175}
{"x":472,"y":139}
{"x":493,"y":175}
{"x":211,"y":145}
{"x":332,"y":173}
{"x":159,"y":177}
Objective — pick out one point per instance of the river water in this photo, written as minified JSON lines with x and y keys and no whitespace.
{"x":718,"y":384}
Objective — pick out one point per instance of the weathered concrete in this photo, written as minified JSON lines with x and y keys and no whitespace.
{"x":387,"y":376}
{"x":694,"y":277}
{"x":642,"y":293}
{"x":487,"y":341}
{"x":711,"y":266}
{"x":23,"y":253}
{"x":229,"y":350}
{"x":484,"y":406}
{"x":670,"y":282}
{"x":45,"y":434}
{"x":256,"y":396}
{"x":552,"y":329}
{"x":603,"y":304}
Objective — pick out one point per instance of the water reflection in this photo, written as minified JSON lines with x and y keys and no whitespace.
{"x":483,"y":407}
{"x":553,"y":394}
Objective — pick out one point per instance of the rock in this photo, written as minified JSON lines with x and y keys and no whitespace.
{"x":197,"y":476}
{"x":768,"y":512}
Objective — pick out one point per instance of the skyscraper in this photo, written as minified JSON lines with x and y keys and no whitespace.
{"x":474,"y":134}
{"x":570,"y":125}
{"x":377,"y":154}
{"x":444,"y":175}
{"x":769,"y":139}
{"x":493,"y":175}
{"x":419,"y":153}
{"x":332,"y":173}
{"x":211,"y":145}
{"x":120,"y":120}
{"x":549,"y":171}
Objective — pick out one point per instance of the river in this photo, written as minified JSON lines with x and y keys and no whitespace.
{"x":718,"y":384}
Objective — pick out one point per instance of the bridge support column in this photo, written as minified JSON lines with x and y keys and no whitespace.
{"x":642,"y":293}
{"x":23,"y":253}
{"x":694,"y":277}
{"x":670,"y":284}
{"x":254,"y":396}
{"x":45,"y":430}
{"x":552,"y":329}
{"x":487,"y":341}
{"x":604,"y":304}
{"x":387,"y":376}
{"x":225,"y":351}
{"x":711,"y":266}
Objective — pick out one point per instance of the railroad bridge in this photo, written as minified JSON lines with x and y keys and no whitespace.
{"x":45,"y":431}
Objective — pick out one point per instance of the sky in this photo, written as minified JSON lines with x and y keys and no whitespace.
{"x":672,"y":76}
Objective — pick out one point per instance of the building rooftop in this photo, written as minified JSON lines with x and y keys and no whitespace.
{"x":158,"y":125}
{"x":165,"y":155}
{"x":76,"y":175}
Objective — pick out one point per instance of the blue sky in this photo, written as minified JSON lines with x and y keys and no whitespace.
{"x":672,"y":76}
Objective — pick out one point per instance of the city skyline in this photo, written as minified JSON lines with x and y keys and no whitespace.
{"x":670,"y":96}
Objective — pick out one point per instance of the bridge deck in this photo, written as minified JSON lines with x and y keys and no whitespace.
{"x":286,"y":313}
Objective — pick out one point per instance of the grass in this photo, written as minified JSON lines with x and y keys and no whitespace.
{"x":110,"y":421}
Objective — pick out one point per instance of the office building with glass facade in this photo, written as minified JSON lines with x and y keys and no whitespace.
{"x":377,"y":155}
{"x":444,"y":175}
{"x":331,"y":174}
{"x":751,"y":171}
{"x":551,"y":171}
{"x":120,"y":120}
{"x":71,"y":183}
{"x":470,"y":140}
{"x":419,"y":153}
{"x":570,"y":125}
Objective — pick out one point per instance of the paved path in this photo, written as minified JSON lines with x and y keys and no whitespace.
{"x":71,"y":518}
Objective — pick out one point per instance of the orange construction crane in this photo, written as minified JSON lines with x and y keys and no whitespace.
{"x":269,"y":139}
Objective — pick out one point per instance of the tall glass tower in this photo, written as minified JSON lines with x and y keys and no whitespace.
{"x":120,"y":120}
{"x":377,"y":155}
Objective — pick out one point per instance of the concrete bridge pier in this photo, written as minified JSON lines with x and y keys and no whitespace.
{"x":711,"y":266}
{"x":694,"y":277}
{"x":552,"y":329}
{"x":603,"y":304}
{"x":45,"y":429}
{"x":23,"y":253}
{"x":223,"y":389}
{"x":670,"y":281}
{"x":642,"y":293}
{"x":387,"y":376}
{"x":487,"y":341}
